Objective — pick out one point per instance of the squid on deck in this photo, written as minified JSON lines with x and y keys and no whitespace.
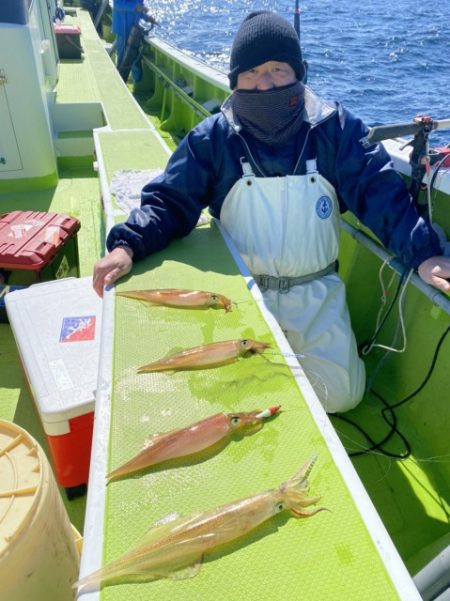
{"x":194,"y":438}
{"x":207,"y":355}
{"x":174,"y":549}
{"x":178,"y":297}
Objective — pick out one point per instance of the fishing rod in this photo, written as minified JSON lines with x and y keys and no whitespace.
{"x":395,"y":130}
{"x":420,"y":127}
{"x":133,"y":48}
{"x":297,"y":18}
{"x":297,"y":29}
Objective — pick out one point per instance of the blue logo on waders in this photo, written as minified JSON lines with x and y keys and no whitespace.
{"x":324,"y":207}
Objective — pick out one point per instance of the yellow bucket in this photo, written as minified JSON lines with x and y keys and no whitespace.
{"x":39,"y":560}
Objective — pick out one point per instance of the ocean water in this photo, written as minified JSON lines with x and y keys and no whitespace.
{"x":386,"y":61}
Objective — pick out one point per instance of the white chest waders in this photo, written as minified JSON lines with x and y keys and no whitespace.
{"x":287,"y":232}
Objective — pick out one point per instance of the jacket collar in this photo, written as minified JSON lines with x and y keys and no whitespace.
{"x":316,"y":110}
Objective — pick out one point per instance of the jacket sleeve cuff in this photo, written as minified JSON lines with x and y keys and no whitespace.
{"x":421,"y":257}
{"x":120,"y":244}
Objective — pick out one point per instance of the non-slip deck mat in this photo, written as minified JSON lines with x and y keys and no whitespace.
{"x":131,"y":149}
{"x":95,"y":78}
{"x":327,"y":556}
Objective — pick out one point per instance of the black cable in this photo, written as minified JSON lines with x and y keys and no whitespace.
{"x":374,"y":445}
{"x":394,"y":430}
{"x":428,"y":376}
{"x":438,"y":165}
{"x":378,"y":446}
{"x":388,"y":412}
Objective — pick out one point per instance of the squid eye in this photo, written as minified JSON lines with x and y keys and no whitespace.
{"x":214,"y":298}
{"x":245,"y":342}
{"x":235,"y":420}
{"x":280,"y":506}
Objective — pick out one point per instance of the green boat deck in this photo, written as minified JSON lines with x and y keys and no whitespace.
{"x":329,"y":556}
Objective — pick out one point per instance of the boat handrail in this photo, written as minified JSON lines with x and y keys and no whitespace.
{"x":198,"y":108}
{"x":435,"y":296}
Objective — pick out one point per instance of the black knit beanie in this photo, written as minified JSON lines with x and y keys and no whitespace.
{"x":264,"y":36}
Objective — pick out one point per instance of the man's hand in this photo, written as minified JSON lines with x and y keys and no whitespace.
{"x":112,"y":267}
{"x":436,"y":271}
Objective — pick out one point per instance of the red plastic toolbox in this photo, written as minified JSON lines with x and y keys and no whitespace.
{"x":31,"y":240}
{"x":68,"y":40}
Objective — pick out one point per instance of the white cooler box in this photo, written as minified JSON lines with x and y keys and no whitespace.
{"x":57,"y":329}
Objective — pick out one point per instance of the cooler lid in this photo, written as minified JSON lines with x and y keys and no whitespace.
{"x":57,"y":327}
{"x":66,"y":29}
{"x":30,"y":240}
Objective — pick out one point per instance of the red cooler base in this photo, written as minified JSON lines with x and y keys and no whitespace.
{"x":72,"y":454}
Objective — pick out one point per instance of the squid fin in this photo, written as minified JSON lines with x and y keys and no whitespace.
{"x":163,"y":527}
{"x":188,"y":572}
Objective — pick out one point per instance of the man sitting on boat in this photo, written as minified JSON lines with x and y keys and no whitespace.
{"x":277,"y":166}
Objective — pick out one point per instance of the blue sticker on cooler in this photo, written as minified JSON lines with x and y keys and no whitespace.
{"x":76,"y":329}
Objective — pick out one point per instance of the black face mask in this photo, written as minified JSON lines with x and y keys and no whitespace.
{"x":273,"y":116}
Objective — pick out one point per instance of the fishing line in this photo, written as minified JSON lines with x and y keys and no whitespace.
{"x":276,"y":364}
{"x":381,"y":362}
{"x":318,"y":385}
{"x":367,"y":346}
{"x":385,"y":291}
{"x":314,"y":378}
{"x":287,"y":355}
{"x":444,"y":459}
{"x":433,"y":459}
{"x":401,"y":290}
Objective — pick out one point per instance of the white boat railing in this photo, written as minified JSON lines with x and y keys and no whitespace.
{"x":437,"y":298}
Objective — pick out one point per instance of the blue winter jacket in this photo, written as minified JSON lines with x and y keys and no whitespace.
{"x":124,"y":16}
{"x":206,"y":164}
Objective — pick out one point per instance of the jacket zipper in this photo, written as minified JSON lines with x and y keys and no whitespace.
{"x":256,"y":164}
